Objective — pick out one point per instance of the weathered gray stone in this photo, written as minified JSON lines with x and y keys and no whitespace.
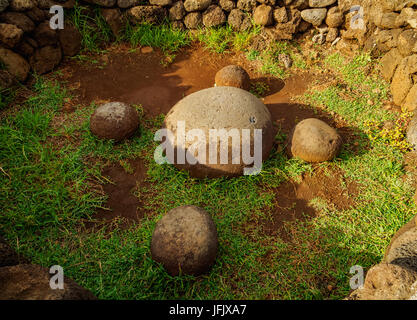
{"x":314,"y":16}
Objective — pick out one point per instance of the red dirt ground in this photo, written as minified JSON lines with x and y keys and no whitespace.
{"x":138,"y":78}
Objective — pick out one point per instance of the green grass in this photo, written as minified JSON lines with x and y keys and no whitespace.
{"x":50,"y":166}
{"x":224,"y":39}
{"x":6,"y":97}
{"x":95,"y":32}
{"x":163,"y":37}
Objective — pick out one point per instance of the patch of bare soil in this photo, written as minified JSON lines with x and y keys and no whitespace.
{"x":122,"y":201}
{"x":292,"y":201}
{"x":140,"y":78}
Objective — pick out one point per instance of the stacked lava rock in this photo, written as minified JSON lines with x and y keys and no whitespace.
{"x":396,"y":277}
{"x":28,"y":43}
{"x":389,"y":28}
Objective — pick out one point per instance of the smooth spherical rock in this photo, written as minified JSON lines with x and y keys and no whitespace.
{"x":185,"y":241}
{"x":232,"y":76}
{"x":228,"y":111}
{"x":114,"y":120}
{"x":314,"y":141}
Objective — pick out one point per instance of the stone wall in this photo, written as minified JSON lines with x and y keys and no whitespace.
{"x":395,"y":278}
{"x":384,"y":27}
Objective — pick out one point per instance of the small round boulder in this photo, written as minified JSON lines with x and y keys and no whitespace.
{"x":314,"y":141}
{"x":233,"y":76}
{"x":114,"y":120}
{"x":185,"y":241}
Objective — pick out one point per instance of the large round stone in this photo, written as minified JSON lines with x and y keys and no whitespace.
{"x":314,"y":141}
{"x":185,"y":241}
{"x":232,"y":76}
{"x":225,"y":122}
{"x":114,"y":120}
